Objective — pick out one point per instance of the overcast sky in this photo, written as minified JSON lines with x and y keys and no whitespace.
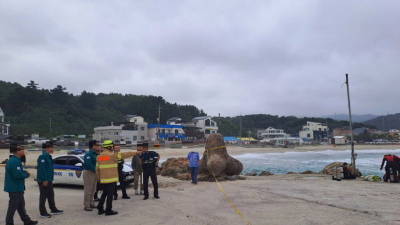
{"x":230,"y":57}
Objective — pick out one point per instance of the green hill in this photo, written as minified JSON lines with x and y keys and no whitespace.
{"x":30,"y":108}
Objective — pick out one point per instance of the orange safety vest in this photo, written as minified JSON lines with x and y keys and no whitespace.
{"x":107,"y":165}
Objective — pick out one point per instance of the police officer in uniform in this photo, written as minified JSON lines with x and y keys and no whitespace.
{"x":149,"y":161}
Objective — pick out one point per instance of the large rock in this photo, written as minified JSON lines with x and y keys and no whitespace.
{"x":328,"y":168}
{"x":265,"y":173}
{"x":216,"y":159}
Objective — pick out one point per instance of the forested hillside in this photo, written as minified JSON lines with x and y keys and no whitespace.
{"x":386,"y":123}
{"x":29,"y":109}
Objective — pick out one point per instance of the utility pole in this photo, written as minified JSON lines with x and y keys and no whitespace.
{"x":240,"y":132}
{"x":353,"y":156}
{"x":158,"y":120}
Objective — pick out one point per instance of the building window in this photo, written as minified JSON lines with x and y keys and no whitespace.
{"x":207,"y":122}
{"x":207,"y":131}
{"x":134,"y":138}
{"x":115,"y":133}
{"x":142,"y":138}
{"x":308,"y":135}
{"x":142,"y":128}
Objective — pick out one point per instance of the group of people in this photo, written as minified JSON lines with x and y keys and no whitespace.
{"x":106,"y":167}
{"x":102,"y":171}
{"x":14,"y":184}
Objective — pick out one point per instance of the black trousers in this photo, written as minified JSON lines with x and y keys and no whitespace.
{"x":122,"y":184}
{"x":150,"y":172}
{"x":46,"y":193}
{"x":108,"y":191}
{"x":16,"y":203}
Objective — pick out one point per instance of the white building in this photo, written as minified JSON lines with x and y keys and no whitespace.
{"x":206,"y":124}
{"x":133,"y":129}
{"x":314,"y":131}
{"x":271,"y":133}
{"x":4,"y":128}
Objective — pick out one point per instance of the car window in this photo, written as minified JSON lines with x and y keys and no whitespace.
{"x":73,"y":160}
{"x":61,"y":161}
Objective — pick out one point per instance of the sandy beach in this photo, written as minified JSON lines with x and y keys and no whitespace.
{"x":277,"y":199}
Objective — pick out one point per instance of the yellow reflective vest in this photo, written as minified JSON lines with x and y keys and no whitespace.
{"x":107,"y":165}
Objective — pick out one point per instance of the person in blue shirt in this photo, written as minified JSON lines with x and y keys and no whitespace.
{"x":14,"y":184}
{"x":89,"y":175}
{"x":45,"y":177}
{"x":194,"y":160}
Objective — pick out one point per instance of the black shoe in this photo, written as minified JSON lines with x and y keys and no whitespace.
{"x":146,"y":197}
{"x":101,"y":211}
{"x":30,"y":222}
{"x":46,"y":215}
{"x":126,"y":197}
{"x":115,"y":197}
{"x":96,"y":199}
{"x":157,"y":197}
{"x":111,"y":213}
{"x":57,"y":212}
{"x":195,"y":182}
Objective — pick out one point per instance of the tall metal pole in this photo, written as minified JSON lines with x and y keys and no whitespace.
{"x":240,"y":131}
{"x":353,"y":157}
{"x":158,"y":120}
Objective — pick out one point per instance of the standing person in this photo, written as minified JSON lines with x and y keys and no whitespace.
{"x":149,"y":161}
{"x":45,"y":177}
{"x":194,"y":160}
{"x":98,"y":186}
{"x":107,"y":175}
{"x":121,"y":178}
{"x":391,"y":163}
{"x":89,"y":175}
{"x":23,"y":160}
{"x":14,"y":184}
{"x":137,"y":170}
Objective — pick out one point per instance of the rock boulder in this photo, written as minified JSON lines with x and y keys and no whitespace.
{"x":265,"y":173}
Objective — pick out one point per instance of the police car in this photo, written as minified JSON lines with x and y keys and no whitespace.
{"x":68,"y":169}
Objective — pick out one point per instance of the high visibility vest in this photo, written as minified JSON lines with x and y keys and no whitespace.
{"x":107,"y":165}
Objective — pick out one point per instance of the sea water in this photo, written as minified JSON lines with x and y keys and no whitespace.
{"x":368,"y":161}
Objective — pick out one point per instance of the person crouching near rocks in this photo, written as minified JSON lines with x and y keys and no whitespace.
{"x":194,"y":161}
{"x":347,"y":172}
{"x":391,"y":162}
{"x":14,"y":184}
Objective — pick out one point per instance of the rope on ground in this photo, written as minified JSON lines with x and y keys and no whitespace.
{"x":208,"y":161}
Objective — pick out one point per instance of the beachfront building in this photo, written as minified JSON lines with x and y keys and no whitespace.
{"x":271,"y":133}
{"x":189,"y":128}
{"x":338,"y":140}
{"x":314,"y":131}
{"x":206,"y":125}
{"x":132,"y":129}
{"x":4,"y":127}
{"x":167,"y":132}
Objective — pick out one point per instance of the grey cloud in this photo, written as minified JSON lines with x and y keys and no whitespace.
{"x":277,"y":57}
